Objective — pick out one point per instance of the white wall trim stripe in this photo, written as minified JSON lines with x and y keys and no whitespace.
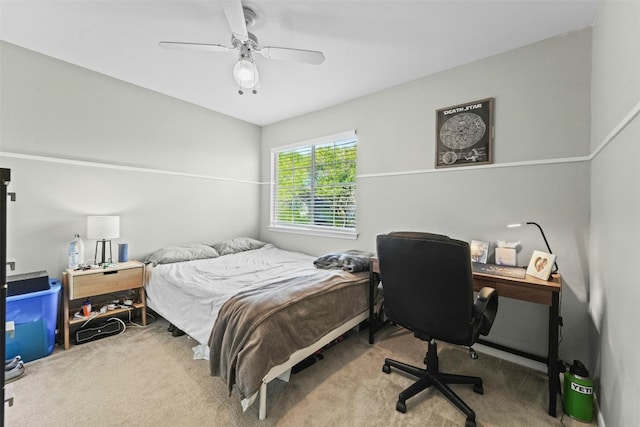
{"x":625,"y":121}
{"x":610,"y":137}
{"x":491,"y":166}
{"x":119,"y":167}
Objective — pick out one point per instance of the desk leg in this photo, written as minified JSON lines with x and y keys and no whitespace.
{"x":372,"y":289}
{"x":552,"y":368}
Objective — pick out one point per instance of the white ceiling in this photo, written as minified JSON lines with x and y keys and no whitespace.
{"x":369,"y":45}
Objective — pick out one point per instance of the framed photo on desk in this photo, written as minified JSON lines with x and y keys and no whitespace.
{"x":479,"y":251}
{"x":540,"y":265}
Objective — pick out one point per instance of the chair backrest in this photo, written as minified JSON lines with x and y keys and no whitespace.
{"x":427,"y":284}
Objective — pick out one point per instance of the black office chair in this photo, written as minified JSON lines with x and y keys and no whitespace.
{"x":427,"y":284}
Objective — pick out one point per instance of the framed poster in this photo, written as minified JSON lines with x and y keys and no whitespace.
{"x":464,"y":134}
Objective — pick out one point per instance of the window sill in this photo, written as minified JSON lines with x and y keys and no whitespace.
{"x":309,"y":231}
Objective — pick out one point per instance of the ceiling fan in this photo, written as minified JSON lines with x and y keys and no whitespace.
{"x":245,"y":43}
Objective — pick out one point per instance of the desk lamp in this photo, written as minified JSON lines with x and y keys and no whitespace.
{"x":103,"y":228}
{"x":555,"y":264}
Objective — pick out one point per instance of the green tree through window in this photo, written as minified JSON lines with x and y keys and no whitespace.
{"x":315,"y":185}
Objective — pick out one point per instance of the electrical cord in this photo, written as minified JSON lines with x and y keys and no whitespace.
{"x":115,"y":319}
{"x":560,"y":337}
{"x":125,"y":303}
{"x":563,"y":411}
{"x":98,"y":300}
{"x":121,"y":302}
{"x":124,"y":326}
{"x":90,"y":318}
{"x":153,"y":319}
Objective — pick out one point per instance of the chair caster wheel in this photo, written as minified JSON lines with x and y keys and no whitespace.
{"x":402,"y":407}
{"x":469,"y":423}
{"x":386,"y":369}
{"x":478,"y":389}
{"x":472,"y":353}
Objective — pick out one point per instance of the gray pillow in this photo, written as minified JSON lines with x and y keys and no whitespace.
{"x":238,"y":244}
{"x":181,"y":253}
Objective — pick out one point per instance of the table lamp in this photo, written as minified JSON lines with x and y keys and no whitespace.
{"x":555,"y":264}
{"x":103,"y":228}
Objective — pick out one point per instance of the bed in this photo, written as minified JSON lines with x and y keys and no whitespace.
{"x":256,"y":310}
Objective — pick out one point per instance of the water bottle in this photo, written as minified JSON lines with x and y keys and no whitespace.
{"x":578,"y":393}
{"x":76,"y":252}
{"x":80,"y":247}
{"x":73,"y":255}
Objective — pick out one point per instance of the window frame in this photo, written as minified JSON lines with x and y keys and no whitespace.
{"x":310,"y":229}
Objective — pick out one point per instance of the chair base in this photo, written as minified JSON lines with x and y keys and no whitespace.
{"x":433,"y":377}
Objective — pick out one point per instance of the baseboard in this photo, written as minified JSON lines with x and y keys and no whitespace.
{"x":598,"y":413}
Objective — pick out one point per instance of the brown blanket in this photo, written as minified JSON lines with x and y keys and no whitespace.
{"x":259,"y":329}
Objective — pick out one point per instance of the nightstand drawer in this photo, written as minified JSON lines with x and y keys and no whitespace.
{"x":105,"y":282}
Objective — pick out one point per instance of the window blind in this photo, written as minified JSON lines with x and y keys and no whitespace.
{"x":314,"y":184}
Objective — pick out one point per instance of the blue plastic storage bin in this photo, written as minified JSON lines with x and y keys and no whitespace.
{"x":34,"y":315}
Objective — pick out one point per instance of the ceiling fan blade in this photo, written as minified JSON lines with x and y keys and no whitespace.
{"x":235,"y":17}
{"x":205,"y":47}
{"x":298,"y":55}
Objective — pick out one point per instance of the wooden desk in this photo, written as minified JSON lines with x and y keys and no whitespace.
{"x":529,"y":289}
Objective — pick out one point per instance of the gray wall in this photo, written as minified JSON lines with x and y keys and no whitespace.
{"x":79,"y":143}
{"x":615,"y":211}
{"x":541,"y":172}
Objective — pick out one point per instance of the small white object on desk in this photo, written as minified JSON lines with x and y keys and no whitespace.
{"x":506,"y":253}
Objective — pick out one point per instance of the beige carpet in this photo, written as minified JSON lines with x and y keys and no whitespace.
{"x":145,"y":377}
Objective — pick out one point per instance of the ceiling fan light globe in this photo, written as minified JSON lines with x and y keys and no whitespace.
{"x":245,"y":73}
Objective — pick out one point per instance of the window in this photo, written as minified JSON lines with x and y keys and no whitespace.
{"x":314,"y":186}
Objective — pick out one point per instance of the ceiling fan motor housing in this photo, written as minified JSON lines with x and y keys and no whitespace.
{"x":245,"y":46}
{"x":249,"y":16}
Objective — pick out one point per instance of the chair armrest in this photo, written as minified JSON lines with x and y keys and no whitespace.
{"x":486,"y":308}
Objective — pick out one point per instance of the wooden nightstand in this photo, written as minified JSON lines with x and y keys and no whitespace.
{"x":82,"y":285}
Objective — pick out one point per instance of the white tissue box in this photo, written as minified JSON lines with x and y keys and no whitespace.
{"x":506,"y":256}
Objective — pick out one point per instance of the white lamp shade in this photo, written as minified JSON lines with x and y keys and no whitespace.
{"x":103,"y":227}
{"x":245,"y":73}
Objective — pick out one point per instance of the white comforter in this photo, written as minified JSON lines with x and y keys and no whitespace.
{"x":189,"y":294}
